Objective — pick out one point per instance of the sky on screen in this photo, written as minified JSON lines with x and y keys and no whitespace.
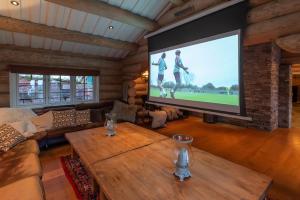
{"x":213,"y":62}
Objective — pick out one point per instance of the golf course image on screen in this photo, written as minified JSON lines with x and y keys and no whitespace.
{"x":202,"y":71}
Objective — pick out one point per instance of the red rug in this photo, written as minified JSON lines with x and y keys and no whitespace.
{"x":78,"y":178}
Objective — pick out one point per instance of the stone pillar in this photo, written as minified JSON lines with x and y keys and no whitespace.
{"x":261,"y":69}
{"x":285,"y":96}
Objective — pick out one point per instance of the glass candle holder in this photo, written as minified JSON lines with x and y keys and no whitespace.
{"x":183,"y":155}
{"x":110,"y":124}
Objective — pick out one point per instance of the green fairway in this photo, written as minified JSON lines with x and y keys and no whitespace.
{"x":202,"y":97}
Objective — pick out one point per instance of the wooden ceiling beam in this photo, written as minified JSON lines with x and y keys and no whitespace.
{"x":12,"y":54}
{"x":272,"y":9}
{"x":56,"y":52}
{"x":290,"y":43}
{"x":106,"y":10}
{"x":177,"y":2}
{"x":291,"y":60}
{"x":20,"y":26}
{"x":269,"y":30}
{"x":254,"y":3}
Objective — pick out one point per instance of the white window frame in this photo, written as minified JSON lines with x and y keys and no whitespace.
{"x":13,"y":87}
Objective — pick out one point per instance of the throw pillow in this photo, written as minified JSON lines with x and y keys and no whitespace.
{"x":9,"y":137}
{"x":43,"y":122}
{"x":124,"y":111}
{"x":63,"y":119}
{"x":10,"y":115}
{"x":26,"y":128}
{"x":173,"y":113}
{"x":169,"y":112}
{"x":83,"y":117}
{"x":158,"y":118}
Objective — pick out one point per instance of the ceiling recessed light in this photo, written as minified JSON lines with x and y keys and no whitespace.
{"x":110,"y":27}
{"x":15,"y":3}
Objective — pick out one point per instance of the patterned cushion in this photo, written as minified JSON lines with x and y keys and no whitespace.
{"x":83,"y":117}
{"x":9,"y":137}
{"x":62,"y":119}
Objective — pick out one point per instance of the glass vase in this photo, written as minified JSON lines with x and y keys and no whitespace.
{"x":182,"y":156}
{"x":110,"y":124}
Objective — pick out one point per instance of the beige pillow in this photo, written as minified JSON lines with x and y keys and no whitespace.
{"x":9,"y":137}
{"x":124,"y":111}
{"x":63,"y":119}
{"x":43,"y":122}
{"x":26,"y":128}
{"x":10,"y":115}
{"x":83,"y":117}
{"x":159,"y":118}
{"x":173,"y":113}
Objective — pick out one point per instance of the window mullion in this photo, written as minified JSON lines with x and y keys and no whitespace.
{"x":73,"y":89}
{"x":47,"y":86}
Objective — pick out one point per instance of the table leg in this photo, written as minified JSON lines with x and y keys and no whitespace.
{"x":102,"y":195}
{"x":73,"y":153}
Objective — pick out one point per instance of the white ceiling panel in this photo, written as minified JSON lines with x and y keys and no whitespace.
{"x":117,"y":3}
{"x":51,"y":14}
{"x":102,"y":25}
{"x":90,"y":24}
{"x":14,"y":11}
{"x":67,"y":46}
{"x":76,"y":21}
{"x":4,"y":8}
{"x":21,"y":39}
{"x":43,"y":12}
{"x":6,"y":37}
{"x":47,"y":43}
{"x":37,"y":42}
{"x":129,"y":4}
{"x":35,"y":11}
{"x":56,"y":45}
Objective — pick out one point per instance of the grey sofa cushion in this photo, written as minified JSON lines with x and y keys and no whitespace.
{"x":124,"y":111}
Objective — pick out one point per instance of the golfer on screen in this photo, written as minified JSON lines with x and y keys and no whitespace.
{"x":176,"y":72}
{"x":161,"y":71}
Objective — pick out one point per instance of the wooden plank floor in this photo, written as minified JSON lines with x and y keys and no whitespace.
{"x":275,"y":154}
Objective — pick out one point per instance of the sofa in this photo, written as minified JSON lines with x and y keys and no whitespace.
{"x":21,"y":172}
{"x":56,"y":135}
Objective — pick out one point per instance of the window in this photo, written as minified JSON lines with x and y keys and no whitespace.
{"x":84,"y":88}
{"x":60,"y":89}
{"x":41,"y":90}
{"x":31,"y":89}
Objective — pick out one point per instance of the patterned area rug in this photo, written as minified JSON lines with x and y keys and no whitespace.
{"x":78,"y":178}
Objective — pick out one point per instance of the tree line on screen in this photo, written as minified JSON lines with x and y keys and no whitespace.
{"x":207,"y":88}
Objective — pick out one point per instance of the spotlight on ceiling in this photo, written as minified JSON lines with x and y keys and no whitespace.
{"x":110,"y":27}
{"x":15,"y":3}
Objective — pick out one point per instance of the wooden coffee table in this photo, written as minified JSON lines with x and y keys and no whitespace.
{"x":93,"y":145}
{"x":139,"y":166}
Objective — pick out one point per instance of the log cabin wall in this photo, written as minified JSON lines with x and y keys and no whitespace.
{"x":4,"y":87}
{"x":133,"y":66}
{"x":271,"y":23}
{"x":110,"y":80}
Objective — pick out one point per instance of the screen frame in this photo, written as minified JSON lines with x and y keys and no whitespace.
{"x":241,"y":107}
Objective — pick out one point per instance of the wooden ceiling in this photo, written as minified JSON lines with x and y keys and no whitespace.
{"x":80,"y":26}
